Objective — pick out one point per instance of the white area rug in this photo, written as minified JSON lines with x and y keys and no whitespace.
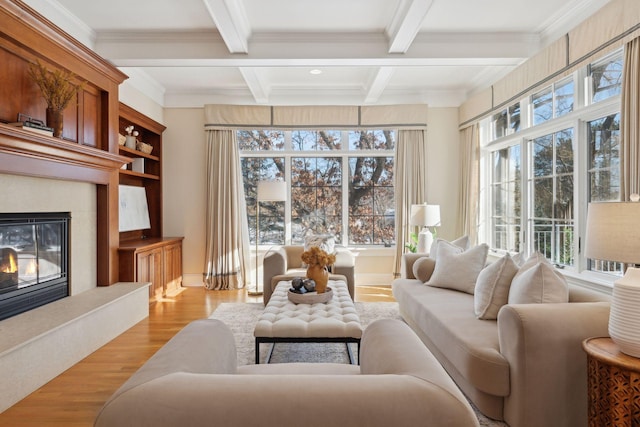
{"x":242,"y":317}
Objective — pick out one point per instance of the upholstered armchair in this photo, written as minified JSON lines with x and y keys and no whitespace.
{"x":284,"y":263}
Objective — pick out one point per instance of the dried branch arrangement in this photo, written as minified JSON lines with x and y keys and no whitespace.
{"x":57,"y":86}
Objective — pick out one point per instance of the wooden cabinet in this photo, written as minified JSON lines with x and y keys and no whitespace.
{"x":155,"y":260}
{"x":172,"y":261}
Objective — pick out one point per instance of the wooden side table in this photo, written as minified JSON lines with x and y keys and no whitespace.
{"x":613,"y":385}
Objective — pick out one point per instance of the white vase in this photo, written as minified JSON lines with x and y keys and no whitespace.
{"x":624,"y":318}
{"x":130,"y":142}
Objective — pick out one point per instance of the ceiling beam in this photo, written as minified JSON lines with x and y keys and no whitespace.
{"x":406,"y":23}
{"x":378,"y":84}
{"x":191,"y":49}
{"x":232,"y":23}
{"x":256,"y":85}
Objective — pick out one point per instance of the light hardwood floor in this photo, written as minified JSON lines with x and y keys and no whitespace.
{"x":75,"y":397}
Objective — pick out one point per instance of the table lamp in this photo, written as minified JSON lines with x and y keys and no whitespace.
{"x":267,"y":191}
{"x":425,"y":216}
{"x":613,"y":234}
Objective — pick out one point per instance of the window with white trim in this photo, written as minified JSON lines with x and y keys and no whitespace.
{"x":339,"y":183}
{"x":539,"y":180}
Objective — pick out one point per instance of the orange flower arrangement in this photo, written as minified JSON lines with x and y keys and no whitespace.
{"x":316,"y":256}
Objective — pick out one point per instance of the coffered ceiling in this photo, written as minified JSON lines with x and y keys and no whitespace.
{"x":188,"y":53}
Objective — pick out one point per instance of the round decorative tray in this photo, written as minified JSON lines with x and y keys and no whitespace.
{"x":310,"y":297}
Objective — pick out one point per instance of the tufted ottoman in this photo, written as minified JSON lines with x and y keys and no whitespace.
{"x":334,"y":321}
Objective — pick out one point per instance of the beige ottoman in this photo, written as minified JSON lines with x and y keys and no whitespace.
{"x":334,"y":321}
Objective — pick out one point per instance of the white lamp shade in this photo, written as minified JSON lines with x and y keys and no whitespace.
{"x":613,"y":235}
{"x":425,"y":215}
{"x":613,"y":232}
{"x":272,"y":191}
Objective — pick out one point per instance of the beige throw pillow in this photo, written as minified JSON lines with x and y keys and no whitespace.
{"x":456,"y":269}
{"x":492,"y":287}
{"x":461,"y":242}
{"x":423,"y":268}
{"x":538,"y":281}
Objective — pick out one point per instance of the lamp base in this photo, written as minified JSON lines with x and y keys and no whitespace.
{"x":425,"y":239}
{"x":254,"y":293}
{"x":624,"y":325}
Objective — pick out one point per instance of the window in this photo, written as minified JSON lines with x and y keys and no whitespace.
{"x":551,"y":184}
{"x":341,"y":183}
{"x":539,"y":182}
{"x":554,"y":101}
{"x":505,"y":189}
{"x":506,"y":122}
{"x":606,"y":78}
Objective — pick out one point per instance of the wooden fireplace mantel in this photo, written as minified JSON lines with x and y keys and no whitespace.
{"x":27,"y":153}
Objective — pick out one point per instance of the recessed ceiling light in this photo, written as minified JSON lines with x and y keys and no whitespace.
{"x":315,"y":71}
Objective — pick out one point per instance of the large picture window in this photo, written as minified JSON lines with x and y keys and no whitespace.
{"x":340,"y":183}
{"x":541,"y":180}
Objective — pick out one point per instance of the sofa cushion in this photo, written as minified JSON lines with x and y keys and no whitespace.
{"x":537,"y":281}
{"x":461,"y":242}
{"x":423,"y":268}
{"x":492,"y":287}
{"x":470,"y":345}
{"x":457,"y":269}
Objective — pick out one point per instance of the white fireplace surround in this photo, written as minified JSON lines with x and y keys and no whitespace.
{"x":29,"y":194}
{"x":40,"y":344}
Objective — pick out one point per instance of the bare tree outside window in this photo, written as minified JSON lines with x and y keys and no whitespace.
{"x":324,"y":168}
{"x":606,"y":78}
{"x":552,"y":184}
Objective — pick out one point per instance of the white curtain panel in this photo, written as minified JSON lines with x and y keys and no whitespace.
{"x":467,"y":221}
{"x":630,"y":124}
{"x":227,"y":234}
{"x":410,"y":184}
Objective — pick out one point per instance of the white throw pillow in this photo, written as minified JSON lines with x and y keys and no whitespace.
{"x":423,"y":268}
{"x":538,"y":281}
{"x":461,"y":242}
{"x":456,"y":269}
{"x":492,"y":287}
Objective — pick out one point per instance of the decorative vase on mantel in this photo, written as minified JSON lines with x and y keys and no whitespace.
{"x":320,"y":275}
{"x":55,"y":120}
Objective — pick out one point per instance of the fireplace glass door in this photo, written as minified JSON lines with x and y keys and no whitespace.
{"x":33,"y":260}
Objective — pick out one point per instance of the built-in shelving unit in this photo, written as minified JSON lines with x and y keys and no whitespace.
{"x":150,"y":132}
{"x":146,"y":255}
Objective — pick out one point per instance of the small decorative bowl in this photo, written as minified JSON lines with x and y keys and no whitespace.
{"x":121,"y":139}
{"x":310,"y":297}
{"x":144,"y":147}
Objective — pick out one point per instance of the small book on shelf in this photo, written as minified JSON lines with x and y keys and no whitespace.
{"x":34,"y":125}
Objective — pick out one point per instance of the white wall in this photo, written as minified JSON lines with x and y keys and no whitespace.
{"x":184,"y":183}
{"x":184,"y":186}
{"x":443,"y":174}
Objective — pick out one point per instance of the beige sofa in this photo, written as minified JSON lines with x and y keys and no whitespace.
{"x":527,"y":367}
{"x":284,"y":263}
{"x":194,"y":380}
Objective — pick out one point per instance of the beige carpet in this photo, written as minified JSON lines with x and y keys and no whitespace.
{"x":242,"y":317}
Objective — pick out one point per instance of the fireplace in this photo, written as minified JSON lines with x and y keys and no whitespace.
{"x":34,"y":260}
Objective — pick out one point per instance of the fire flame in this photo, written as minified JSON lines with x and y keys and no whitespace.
{"x":31,"y":268}
{"x":11,"y":266}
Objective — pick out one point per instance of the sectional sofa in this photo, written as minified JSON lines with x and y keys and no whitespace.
{"x":527,"y":366}
{"x":194,"y":380}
